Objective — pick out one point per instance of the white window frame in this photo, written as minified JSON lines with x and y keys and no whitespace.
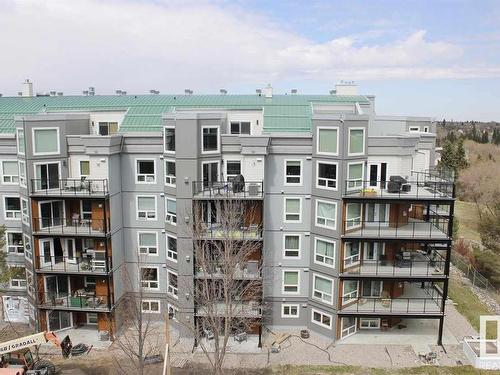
{"x":80,"y":168}
{"x":169,"y":217}
{"x":299,"y":250}
{"x":173,"y":291}
{"x":150,"y":302}
{"x":149,"y":281}
{"x":370,"y":321}
{"x":349,"y":333}
{"x":228,"y":176}
{"x":28,"y":250}
{"x":239,"y":127}
{"x":414,"y":129}
{"x":23,"y":180}
{"x":285,"y":176}
{"x":318,"y":186}
{"x":137,"y":208}
{"x":169,"y":179}
{"x":25,"y":216}
{"x":170,"y":252}
{"x":317,"y":139}
{"x":285,"y":213}
{"x":349,"y":227}
{"x":175,"y":311}
{"x":290,"y":306}
{"x":321,"y":299}
{"x":147,"y":248}
{"x":18,"y":130}
{"x":283,"y":282}
{"x":33,"y":131}
{"x":203,"y":152}
{"x":10,"y":176}
{"x":145,"y":176}
{"x":11,"y":211}
{"x":7,"y":246}
{"x":353,"y":296}
{"x":334,"y":243}
{"x":346,"y":258}
{"x":349,"y":153}
{"x":37,"y":177}
{"x":316,"y":217}
{"x":321,"y":324}
{"x":88,"y":319}
{"x":165,"y":151}
{"x":356,"y":186}
{"x":20,"y":282}
{"x":30,"y":285}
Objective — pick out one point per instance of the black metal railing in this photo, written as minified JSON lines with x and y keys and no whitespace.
{"x":431,"y":265}
{"x":436,"y":228}
{"x":252,"y":270}
{"x":88,"y":264}
{"x":228,"y":189}
{"x":70,"y":186}
{"x":415,"y":189}
{"x":62,"y":225}
{"x":391,"y":305}
{"x":78,"y":300}
{"x":219,"y":231}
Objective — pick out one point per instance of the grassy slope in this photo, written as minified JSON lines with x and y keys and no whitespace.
{"x":468,"y":220}
{"x":423,"y":370}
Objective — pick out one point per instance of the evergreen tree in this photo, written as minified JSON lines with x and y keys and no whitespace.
{"x":448,"y":156}
{"x":484,"y":137}
{"x":444,"y":123}
{"x":460,"y":158}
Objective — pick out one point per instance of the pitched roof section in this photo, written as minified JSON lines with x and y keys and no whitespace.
{"x":282,"y":113}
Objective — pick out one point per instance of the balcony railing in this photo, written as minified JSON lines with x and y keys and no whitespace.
{"x":78,"y":301}
{"x":251,"y":309}
{"x":73,"y":186}
{"x":437,"y":228}
{"x":218,"y":231}
{"x":411,"y":189}
{"x":65,"y":226}
{"x":402,"y":266}
{"x":249,"y":272}
{"x":228,"y":189}
{"x":63,"y":264}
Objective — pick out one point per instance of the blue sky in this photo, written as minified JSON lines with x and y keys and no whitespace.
{"x":436,"y":58}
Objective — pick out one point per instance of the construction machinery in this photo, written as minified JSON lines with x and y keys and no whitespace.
{"x":17,"y":358}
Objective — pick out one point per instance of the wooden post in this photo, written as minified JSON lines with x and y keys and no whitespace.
{"x":166,"y":362}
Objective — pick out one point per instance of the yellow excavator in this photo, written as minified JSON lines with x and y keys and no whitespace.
{"x":16,"y":357}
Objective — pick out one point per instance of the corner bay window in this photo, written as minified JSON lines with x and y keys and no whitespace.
{"x":171,"y":214}
{"x":354,"y":175}
{"x":326,"y":214}
{"x":291,"y":282}
{"x":15,"y":243}
{"x":149,"y":278}
{"x":323,"y":289}
{"x":170,"y":178}
{"x":324,"y":252}
{"x":10,"y":172}
{"x":327,"y":141}
{"x":356,"y":141}
{"x":172,"y":288}
{"x":169,"y":135}
{"x":12,"y":207}
{"x":146,"y":208}
{"x":327,"y":175}
{"x":172,"y":248}
{"x":321,"y":319}
{"x":146,"y":171}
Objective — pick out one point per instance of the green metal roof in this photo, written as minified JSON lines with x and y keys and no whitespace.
{"x":282,"y":113}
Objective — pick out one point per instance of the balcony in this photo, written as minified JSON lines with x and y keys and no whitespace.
{"x":436,"y":229}
{"x":228,"y":190}
{"x":217,"y":231}
{"x":250,"y":309}
{"x":91,"y":265}
{"x":251,"y":271}
{"x":80,"y":300}
{"x":70,"y":227}
{"x":407,"y":264}
{"x":81,"y":187}
{"x":414,"y":301}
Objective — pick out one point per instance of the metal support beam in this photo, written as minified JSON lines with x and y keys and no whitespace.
{"x":440,"y":332}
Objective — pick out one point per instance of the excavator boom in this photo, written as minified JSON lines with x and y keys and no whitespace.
{"x":28,"y":341}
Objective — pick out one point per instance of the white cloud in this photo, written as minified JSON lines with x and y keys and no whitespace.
{"x":137,"y":45}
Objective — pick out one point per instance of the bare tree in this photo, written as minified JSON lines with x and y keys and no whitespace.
{"x":228,"y":286}
{"x":139,"y":336}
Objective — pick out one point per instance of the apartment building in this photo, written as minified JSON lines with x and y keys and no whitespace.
{"x":353,"y":223}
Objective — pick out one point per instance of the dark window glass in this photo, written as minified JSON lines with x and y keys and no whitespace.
{"x":210,"y":139}
{"x":169,"y":139}
{"x":233,"y":168}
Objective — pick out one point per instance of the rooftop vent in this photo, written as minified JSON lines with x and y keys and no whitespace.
{"x":85,"y":92}
{"x":52,"y":93}
{"x":124,"y":92}
{"x":188,"y":92}
{"x":258,"y":92}
{"x":20,"y":93}
{"x":60,"y":93}
{"x":294,"y":91}
{"x":223,"y":91}
{"x":333,"y":92}
{"x":154,"y":92}
{"x":268,"y":91}
{"x":27,"y":88}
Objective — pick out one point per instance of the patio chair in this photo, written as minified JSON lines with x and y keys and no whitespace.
{"x":240,"y":337}
{"x":385,"y":299}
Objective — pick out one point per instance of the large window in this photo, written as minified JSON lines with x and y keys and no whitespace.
{"x":326,"y":214}
{"x":25,"y":214}
{"x":47,"y":176}
{"x":322,"y":319}
{"x":147,"y":243}
{"x":354,"y":175}
{"x":356,"y":141}
{"x":293,"y":210}
{"x":293,"y":172}
{"x":15,"y":243}
{"x":327,"y":141}
{"x":18,"y":280}
{"x":150,"y":278}
{"x":172,"y":288}
{"x":22,"y":173}
{"x":291,"y":280}
{"x":172,"y":248}
{"x":233,"y":169}
{"x":10,"y":172}
{"x":150,"y":306}
{"x":240,"y":127}
{"x":28,"y":253}
{"x":20,"y":142}
{"x":170,"y":178}
{"x":171,"y":211}
{"x":145,"y":171}
{"x":324,"y":252}
{"x":353,"y":215}
{"x":146,"y":208}
{"x":45,"y":141}
{"x":84,"y":168}
{"x":289,"y":310}
{"x":12,"y":208}
{"x":169,"y":139}
{"x":351,"y":256}
{"x":326,"y":175}
{"x":350,"y":291}
{"x":210,"y":139}
{"x":323,"y":289}
{"x":291,"y":246}
{"x":108,"y":128}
